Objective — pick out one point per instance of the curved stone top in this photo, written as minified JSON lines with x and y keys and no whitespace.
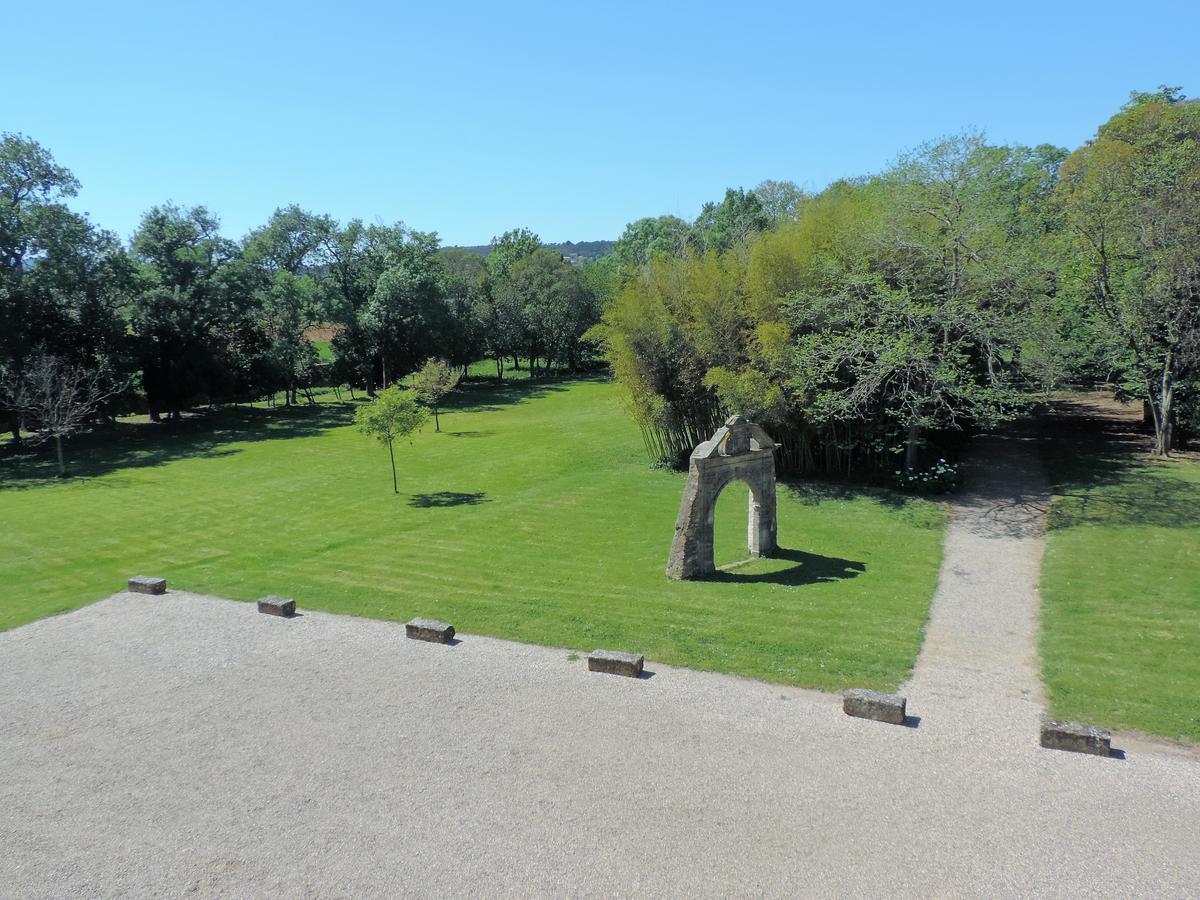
{"x":736,"y":437}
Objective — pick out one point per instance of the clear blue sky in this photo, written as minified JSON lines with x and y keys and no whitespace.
{"x":571,"y":118}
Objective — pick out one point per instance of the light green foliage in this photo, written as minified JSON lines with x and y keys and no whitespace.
{"x":648,"y":239}
{"x":434,"y":381}
{"x":748,"y":393}
{"x":729,"y":224}
{"x":395,"y":413}
{"x":535,"y":519}
{"x":780,"y":200}
{"x":887,"y":308}
{"x":1132,"y":198}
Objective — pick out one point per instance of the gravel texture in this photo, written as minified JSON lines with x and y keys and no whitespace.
{"x":186,"y":746}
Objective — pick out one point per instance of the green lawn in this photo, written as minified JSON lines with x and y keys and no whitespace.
{"x":1121,"y":588}
{"x":533,"y":515}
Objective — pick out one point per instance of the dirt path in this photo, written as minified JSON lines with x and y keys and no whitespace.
{"x":977,"y":677}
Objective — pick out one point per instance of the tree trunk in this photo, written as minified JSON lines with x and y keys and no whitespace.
{"x":62,"y":463}
{"x":1167,"y":411}
{"x":392,"y":457}
{"x":1162,"y":407}
{"x":911,"y":446}
{"x":14,"y":425}
{"x":437,"y":425}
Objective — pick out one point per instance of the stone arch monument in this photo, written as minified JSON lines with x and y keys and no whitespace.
{"x":740,"y":450}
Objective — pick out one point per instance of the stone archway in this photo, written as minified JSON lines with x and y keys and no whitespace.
{"x":738,"y":451}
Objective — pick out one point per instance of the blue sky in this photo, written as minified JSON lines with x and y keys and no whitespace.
{"x":569,"y":118}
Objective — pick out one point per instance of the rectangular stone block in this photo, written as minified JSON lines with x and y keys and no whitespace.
{"x":616,"y":662}
{"x":1076,"y":737}
{"x":866,"y":704}
{"x":277,"y":606}
{"x":430,"y":630}
{"x":145,"y":584}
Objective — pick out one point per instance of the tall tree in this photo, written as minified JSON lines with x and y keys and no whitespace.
{"x":1132,"y":197}
{"x":63,"y":283}
{"x":730,"y":223}
{"x":182,"y":316}
{"x":781,"y":200}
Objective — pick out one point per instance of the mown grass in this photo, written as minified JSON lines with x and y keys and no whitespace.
{"x":533,"y":515}
{"x":1121,"y":584}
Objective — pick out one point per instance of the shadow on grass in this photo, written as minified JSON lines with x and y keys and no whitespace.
{"x":809,"y":568}
{"x":203,"y":435}
{"x":490,"y":396}
{"x":441,"y":499}
{"x":1099,"y":466}
{"x":133,"y":445}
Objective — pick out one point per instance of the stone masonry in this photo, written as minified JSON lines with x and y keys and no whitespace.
{"x":738,"y":450}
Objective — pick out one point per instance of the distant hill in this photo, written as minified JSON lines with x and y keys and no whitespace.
{"x":575,"y":253}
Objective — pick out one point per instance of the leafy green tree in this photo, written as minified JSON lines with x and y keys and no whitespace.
{"x":184,"y":313}
{"x":781,"y":200}
{"x":509,"y":248}
{"x":730,"y":223}
{"x":432,"y":382}
{"x":64,"y":284}
{"x":395,"y":413}
{"x":648,"y":239}
{"x":287,"y":305}
{"x":870,"y":351}
{"x":462,"y":291}
{"x":293,"y":240}
{"x":1132,"y":197}
{"x":499,"y":310}
{"x":406,"y":315}
{"x":546,"y":300}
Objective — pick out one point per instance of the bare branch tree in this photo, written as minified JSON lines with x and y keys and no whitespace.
{"x":58,"y":398}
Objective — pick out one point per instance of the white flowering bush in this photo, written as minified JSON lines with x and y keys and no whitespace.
{"x":940,"y":478}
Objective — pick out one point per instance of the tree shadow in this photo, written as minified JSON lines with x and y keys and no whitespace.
{"x":490,"y":396}
{"x":440,"y":499}
{"x":808,"y":568}
{"x":1097,"y":458}
{"x":142,"y":444}
{"x":203,"y":434}
{"x":814,"y":492}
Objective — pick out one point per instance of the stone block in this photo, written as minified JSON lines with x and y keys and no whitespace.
{"x":145,"y":584}
{"x":866,"y":704}
{"x":430,"y":630}
{"x":616,"y":662}
{"x":277,"y":606}
{"x":1076,"y":737}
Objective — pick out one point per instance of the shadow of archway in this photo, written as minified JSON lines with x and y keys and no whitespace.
{"x":806,"y":568}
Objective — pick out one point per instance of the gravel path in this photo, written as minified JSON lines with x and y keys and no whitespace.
{"x":977,"y":678}
{"x":188,"y":746}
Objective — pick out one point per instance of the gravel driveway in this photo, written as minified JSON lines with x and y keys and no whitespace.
{"x":186,"y":745}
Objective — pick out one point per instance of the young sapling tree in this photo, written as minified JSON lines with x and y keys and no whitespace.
{"x":394,"y":413}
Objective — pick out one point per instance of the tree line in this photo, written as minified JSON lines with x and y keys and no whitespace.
{"x":182,"y":315}
{"x":869,"y":325}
